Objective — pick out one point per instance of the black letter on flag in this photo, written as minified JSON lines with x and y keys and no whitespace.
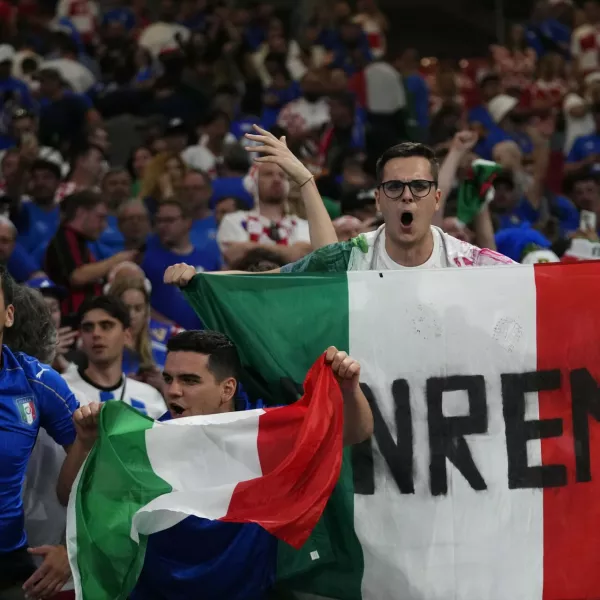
{"x":585,"y":398}
{"x":398,"y":455}
{"x":518,"y":430}
{"x":446,"y":434}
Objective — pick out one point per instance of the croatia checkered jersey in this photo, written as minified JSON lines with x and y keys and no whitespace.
{"x":32,"y":395}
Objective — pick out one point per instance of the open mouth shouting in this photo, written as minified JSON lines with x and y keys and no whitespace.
{"x":406,"y":220}
{"x":176,"y":410}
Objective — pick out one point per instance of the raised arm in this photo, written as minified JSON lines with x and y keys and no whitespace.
{"x":276,"y":151}
{"x":463,"y":142}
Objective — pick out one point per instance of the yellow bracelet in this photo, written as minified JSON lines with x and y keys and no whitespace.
{"x":311,"y":177}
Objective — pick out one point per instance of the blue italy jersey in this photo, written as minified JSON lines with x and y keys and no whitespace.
{"x":212,"y":560}
{"x":33,"y":395}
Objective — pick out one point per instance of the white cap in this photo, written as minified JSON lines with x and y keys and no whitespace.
{"x":7,"y":53}
{"x":540,"y":256}
{"x":500,"y":106}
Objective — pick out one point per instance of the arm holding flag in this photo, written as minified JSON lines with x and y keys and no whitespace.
{"x":86,"y":425}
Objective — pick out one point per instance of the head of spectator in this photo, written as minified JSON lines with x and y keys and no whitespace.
{"x":33,"y":330}
{"x":506,"y":193}
{"x":351,"y":34}
{"x":133,"y":292}
{"x":173,"y":224}
{"x":272,"y":184}
{"x":407,"y":195}
{"x":23,"y":123}
{"x":591,"y":9}
{"x":87,"y":165}
{"x":51,"y":84}
{"x":98,"y":137}
{"x":258,"y":260}
{"x":584,"y":191}
{"x":354,"y":175}
{"x":44,"y":179}
{"x":7,"y":55}
{"x":168,"y":11}
{"x":134,"y":223}
{"x":235,"y":161}
{"x":502,"y":110}
{"x":227,"y":205}
{"x":163,"y":176}
{"x":341,"y":11}
{"x":65,"y":46}
{"x":85,"y":212}
{"x":407,"y":62}
{"x":176,"y":136}
{"x":359,"y":203}
{"x":312,"y":86}
{"x":551,"y":67}
{"x":8,"y":238}
{"x":342,"y":108}
{"x":490,"y":86}
{"x":204,"y":356}
{"x":227,"y":99}
{"x":104,"y":330}
{"x":137,"y":163}
{"x":196,"y":192}
{"x":215,"y":127}
{"x":52,"y":295}
{"x":338,"y":81}
{"x":457,"y":229}
{"x":116,"y":187}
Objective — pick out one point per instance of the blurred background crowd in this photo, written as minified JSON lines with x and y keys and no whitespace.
{"x":122,"y":141}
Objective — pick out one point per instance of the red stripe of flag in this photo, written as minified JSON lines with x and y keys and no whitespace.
{"x":300,"y":452}
{"x":568,"y":338}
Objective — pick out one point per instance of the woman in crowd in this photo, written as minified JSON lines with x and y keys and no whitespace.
{"x":145,"y":356}
{"x":137,"y":163}
{"x":162,"y":179}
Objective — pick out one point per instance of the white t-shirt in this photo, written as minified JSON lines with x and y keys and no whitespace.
{"x":161,"y":37}
{"x":576,"y":127}
{"x":251,"y":226}
{"x":585,"y":46}
{"x":137,"y":394}
{"x":437,"y":260}
{"x":79,"y":78}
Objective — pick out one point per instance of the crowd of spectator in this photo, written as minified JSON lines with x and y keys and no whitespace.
{"x":126,"y":146}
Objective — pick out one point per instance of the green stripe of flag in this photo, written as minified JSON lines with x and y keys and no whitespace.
{"x":108,"y":494}
{"x":281,"y":324}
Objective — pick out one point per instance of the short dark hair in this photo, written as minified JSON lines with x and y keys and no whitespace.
{"x":86,"y":199}
{"x":186,"y":211}
{"x":235,"y":158}
{"x":81,"y":149}
{"x":109,"y":304}
{"x":346,"y":99}
{"x":407,"y":150}
{"x":223,"y":358}
{"x":8,"y":285}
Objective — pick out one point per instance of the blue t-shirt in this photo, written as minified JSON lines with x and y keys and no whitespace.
{"x":21,"y":265}
{"x":37,"y":227}
{"x":203,"y":236}
{"x":480,"y":114}
{"x":419,"y":92}
{"x":568,"y":215}
{"x":120,"y":15}
{"x":110,"y":242}
{"x":512,"y":241}
{"x":553,"y":30}
{"x":33,"y":396}
{"x":17,"y":93}
{"x":160,"y":333}
{"x":583,"y":147}
{"x":168,"y":299}
{"x":230,"y":187}
{"x":222,"y":560}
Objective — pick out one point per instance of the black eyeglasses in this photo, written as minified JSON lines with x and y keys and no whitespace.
{"x":419,"y":188}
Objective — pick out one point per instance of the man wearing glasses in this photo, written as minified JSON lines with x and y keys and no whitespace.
{"x":407,"y":196}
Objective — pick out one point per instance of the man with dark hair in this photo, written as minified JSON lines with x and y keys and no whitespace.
{"x":69,"y":261}
{"x":223,"y":560}
{"x":87,"y":165}
{"x":407,"y":196}
{"x":104,"y":330}
{"x":170,"y":245}
{"x":33,"y":396}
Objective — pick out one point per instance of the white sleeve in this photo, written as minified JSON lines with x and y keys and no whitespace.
{"x":301,"y":233}
{"x":231,"y":230}
{"x":156,"y":404}
{"x":62,"y":10}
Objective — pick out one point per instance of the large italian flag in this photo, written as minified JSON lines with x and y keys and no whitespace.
{"x":276,"y":467}
{"x":483,"y":477}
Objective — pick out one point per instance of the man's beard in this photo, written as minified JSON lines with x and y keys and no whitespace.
{"x":270,"y":199}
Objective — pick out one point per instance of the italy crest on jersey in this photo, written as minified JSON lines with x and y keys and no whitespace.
{"x":27,"y":410}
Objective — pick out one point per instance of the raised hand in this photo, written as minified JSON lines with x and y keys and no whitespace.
{"x":276,"y":151}
{"x":179,"y":274}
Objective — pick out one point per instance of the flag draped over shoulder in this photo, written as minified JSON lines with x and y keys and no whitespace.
{"x":276,"y":467}
{"x":482,"y":477}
